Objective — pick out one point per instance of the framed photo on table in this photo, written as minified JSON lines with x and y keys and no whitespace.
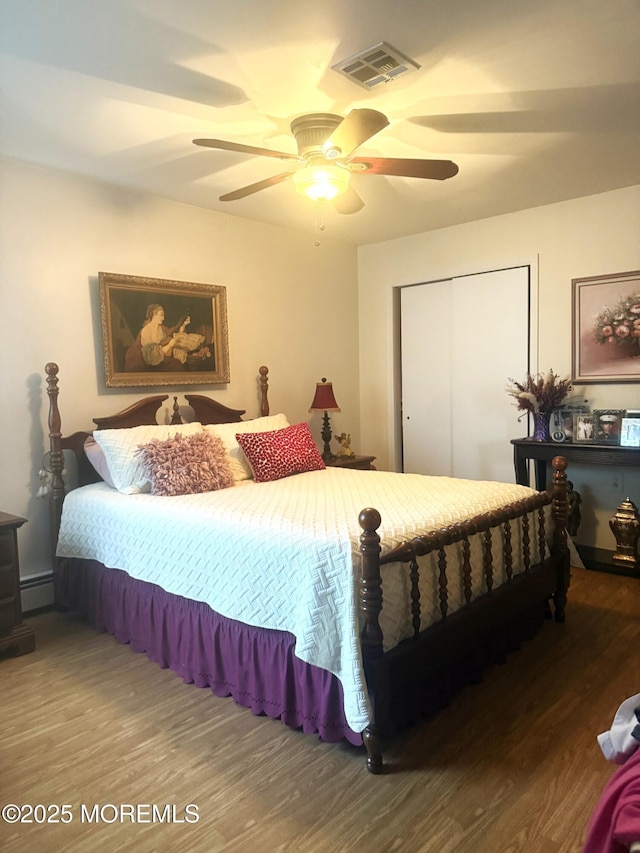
{"x":161,"y":332}
{"x":630,"y":432}
{"x":583,"y":429}
{"x":606,"y":328}
{"x":562,"y":422}
{"x":607,"y":425}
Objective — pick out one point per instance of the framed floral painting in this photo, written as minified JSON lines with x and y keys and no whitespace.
{"x":606,"y":328}
{"x":160,"y":332}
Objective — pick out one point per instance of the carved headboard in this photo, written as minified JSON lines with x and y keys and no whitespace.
{"x":143,"y":412}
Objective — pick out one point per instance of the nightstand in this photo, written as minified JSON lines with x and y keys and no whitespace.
{"x":362,"y":463}
{"x":14,"y":635}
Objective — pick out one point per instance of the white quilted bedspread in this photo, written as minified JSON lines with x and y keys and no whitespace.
{"x":278,"y":555}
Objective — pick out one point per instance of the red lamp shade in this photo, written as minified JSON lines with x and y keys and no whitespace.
{"x":324,"y":399}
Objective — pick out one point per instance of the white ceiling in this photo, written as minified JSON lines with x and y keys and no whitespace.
{"x":537,"y":101}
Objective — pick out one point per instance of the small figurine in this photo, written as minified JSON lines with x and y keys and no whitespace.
{"x":574,"y":499}
{"x":344,"y":440}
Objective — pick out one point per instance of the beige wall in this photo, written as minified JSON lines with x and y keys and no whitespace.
{"x":292,"y":306}
{"x":583,"y":237}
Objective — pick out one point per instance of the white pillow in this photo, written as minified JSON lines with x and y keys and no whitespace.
{"x":120,"y":450}
{"x":95,"y":455}
{"x":240,"y":468}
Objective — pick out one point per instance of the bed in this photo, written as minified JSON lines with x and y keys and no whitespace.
{"x":345,"y":603}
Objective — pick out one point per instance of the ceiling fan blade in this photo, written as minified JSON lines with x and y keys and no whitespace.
{"x":438,"y":170}
{"x":244,"y":149}
{"x":348,"y":202}
{"x":254,"y":188}
{"x":353,"y":130}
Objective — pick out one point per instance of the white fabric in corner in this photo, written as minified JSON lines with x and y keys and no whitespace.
{"x":623,"y":738}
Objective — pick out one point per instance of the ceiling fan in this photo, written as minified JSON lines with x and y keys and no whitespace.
{"x":326,"y":143}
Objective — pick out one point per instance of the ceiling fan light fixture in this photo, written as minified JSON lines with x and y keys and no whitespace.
{"x":322,"y":181}
{"x":325,"y":160}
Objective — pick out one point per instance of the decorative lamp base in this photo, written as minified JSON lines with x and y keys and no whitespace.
{"x":327,"y":455}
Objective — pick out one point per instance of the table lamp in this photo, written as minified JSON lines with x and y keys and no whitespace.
{"x":325,"y":401}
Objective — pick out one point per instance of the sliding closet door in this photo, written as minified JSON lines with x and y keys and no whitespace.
{"x":461,"y":340}
{"x":426,"y":378}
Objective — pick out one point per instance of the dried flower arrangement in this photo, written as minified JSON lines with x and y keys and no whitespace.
{"x":539,"y":392}
{"x":620,"y":325}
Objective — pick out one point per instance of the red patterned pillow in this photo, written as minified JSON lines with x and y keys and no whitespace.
{"x":280,"y":453}
{"x":186,"y":464}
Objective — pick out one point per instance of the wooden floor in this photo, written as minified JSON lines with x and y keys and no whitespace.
{"x":512,"y":765}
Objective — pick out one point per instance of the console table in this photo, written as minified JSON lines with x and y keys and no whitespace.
{"x":542,"y":452}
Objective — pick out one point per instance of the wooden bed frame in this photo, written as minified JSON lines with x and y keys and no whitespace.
{"x":396,"y":677}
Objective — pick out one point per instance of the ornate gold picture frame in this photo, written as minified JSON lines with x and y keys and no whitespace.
{"x":161,"y":332}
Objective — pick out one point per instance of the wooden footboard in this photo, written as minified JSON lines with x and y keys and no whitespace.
{"x":394,"y":677}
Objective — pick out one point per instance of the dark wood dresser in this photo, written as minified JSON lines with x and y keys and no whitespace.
{"x":15,"y":637}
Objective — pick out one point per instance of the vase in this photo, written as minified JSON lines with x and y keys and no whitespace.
{"x":541,"y":426}
{"x":625,"y":526}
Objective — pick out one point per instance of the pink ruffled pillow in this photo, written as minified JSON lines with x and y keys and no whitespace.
{"x":186,"y":464}
{"x":281,"y":452}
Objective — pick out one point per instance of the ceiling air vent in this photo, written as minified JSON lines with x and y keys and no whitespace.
{"x":381,"y":63}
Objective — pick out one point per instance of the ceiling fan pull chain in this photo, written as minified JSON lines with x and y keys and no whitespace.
{"x":319,"y":219}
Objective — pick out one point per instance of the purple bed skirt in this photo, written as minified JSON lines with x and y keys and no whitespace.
{"x":256,"y":666}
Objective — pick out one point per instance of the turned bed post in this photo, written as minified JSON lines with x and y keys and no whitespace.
{"x":56,"y":462}
{"x":264,"y":388}
{"x":370,"y":594}
{"x":560,"y":548}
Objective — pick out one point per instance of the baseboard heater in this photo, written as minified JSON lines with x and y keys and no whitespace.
{"x":36,"y":591}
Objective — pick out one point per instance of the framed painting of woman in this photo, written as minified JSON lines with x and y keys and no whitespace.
{"x":161,"y":332}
